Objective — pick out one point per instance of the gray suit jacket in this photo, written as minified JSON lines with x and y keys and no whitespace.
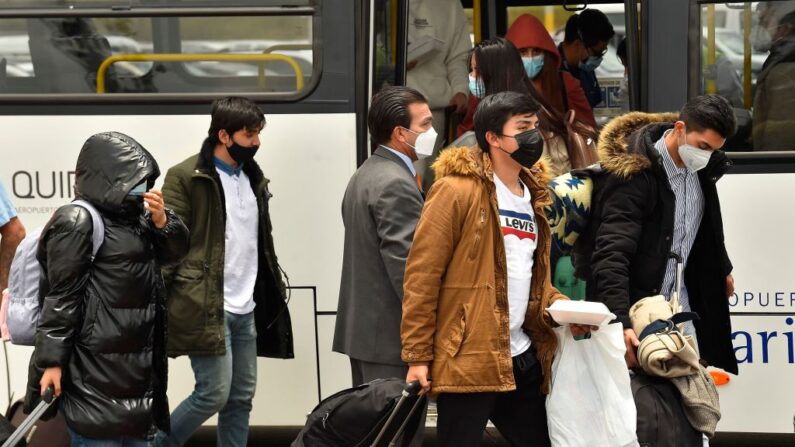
{"x":380,"y":210}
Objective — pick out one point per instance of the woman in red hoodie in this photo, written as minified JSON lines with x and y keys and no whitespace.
{"x":542,"y":62}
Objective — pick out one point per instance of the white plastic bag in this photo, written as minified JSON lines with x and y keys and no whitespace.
{"x":590,"y":403}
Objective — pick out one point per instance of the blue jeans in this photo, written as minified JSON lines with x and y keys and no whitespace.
{"x":224,"y":385}
{"x":81,"y":441}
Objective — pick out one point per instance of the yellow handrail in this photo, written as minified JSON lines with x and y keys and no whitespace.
{"x":549,"y":18}
{"x":747,"y":15}
{"x":477,"y":13}
{"x":278,"y":47}
{"x":393,"y":12}
{"x":196,"y":57}
{"x":711,"y":84}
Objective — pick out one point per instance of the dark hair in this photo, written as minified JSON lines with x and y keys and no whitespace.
{"x":390,"y":109}
{"x":621,"y":51}
{"x":787,"y":19}
{"x":501,"y":69}
{"x":591,"y":26}
{"x":551,"y":82}
{"x":709,"y":112}
{"x":495,"y":110}
{"x":231,"y":114}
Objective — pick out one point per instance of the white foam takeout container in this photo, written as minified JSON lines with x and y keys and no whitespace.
{"x":580,"y":312}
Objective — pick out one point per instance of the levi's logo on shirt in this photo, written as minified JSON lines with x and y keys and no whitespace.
{"x":520,"y":225}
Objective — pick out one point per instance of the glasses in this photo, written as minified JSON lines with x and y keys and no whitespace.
{"x":591,"y":51}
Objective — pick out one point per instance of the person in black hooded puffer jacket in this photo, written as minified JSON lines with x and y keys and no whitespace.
{"x":102,"y":335}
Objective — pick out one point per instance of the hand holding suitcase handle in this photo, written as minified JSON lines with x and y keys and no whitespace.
{"x":26,"y":429}
{"x":51,"y":380}
{"x":419,"y":373}
{"x":48,"y":395}
{"x":412,"y":388}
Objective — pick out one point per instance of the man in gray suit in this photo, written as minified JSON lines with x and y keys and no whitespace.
{"x":380,"y":210}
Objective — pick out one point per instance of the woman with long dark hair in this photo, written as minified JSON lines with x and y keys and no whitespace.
{"x":496,"y":66}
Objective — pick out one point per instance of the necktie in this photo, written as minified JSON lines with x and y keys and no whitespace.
{"x":419,"y":182}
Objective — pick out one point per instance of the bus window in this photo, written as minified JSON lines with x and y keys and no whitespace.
{"x":385,"y":16}
{"x":748,"y":57}
{"x":610,"y":73}
{"x":439,"y":40}
{"x":384,"y":51}
{"x":168,"y":54}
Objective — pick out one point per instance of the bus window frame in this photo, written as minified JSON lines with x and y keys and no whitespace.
{"x":745,"y":162}
{"x":315,"y":12}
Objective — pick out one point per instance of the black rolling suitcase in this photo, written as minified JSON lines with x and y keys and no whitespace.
{"x":32,"y":432}
{"x":381,"y":413}
{"x":661,"y":418}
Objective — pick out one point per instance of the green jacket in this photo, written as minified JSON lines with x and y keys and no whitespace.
{"x":195,"y":288}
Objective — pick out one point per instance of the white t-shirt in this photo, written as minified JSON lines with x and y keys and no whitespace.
{"x":517,"y":221}
{"x":241,"y":258}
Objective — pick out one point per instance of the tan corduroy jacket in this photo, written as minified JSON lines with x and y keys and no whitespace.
{"x":455,"y":306}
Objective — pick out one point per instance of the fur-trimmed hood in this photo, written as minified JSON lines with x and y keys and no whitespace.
{"x":473,"y":162}
{"x":616,"y":154}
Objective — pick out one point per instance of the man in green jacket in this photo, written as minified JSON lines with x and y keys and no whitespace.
{"x":226,"y":301}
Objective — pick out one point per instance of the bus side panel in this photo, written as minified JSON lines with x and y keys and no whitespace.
{"x":758,"y":211}
{"x":308,"y":158}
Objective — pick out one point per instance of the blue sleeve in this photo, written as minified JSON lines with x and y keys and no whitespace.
{"x":7,"y":211}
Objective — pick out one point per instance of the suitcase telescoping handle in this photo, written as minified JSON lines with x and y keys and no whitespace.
{"x":412,"y":389}
{"x":49,"y":395}
{"x":25,"y":427}
{"x":674,"y":298}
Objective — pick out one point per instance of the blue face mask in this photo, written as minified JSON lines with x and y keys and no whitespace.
{"x":138,"y":190}
{"x":476,"y":87}
{"x":592,"y":63}
{"x":533,"y":65}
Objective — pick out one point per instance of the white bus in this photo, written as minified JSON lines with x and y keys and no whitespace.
{"x":151,"y":68}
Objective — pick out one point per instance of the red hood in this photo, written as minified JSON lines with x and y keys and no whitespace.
{"x":528,"y":32}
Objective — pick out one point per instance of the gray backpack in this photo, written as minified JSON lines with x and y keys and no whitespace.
{"x":24,"y":308}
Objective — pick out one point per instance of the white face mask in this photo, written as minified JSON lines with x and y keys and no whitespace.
{"x":425,"y":142}
{"x":761,"y":40}
{"x":694,"y":158}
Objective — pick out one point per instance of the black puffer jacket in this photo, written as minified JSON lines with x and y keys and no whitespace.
{"x":624,"y":250}
{"x":104,"y":322}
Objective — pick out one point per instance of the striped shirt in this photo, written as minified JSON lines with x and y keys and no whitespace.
{"x":689,"y":210}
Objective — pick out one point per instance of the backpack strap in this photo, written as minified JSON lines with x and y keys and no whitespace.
{"x":667,"y":325}
{"x":98,"y":235}
{"x":681,"y":317}
{"x":655,"y":327}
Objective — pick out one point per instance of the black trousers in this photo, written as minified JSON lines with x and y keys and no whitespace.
{"x":519,"y":415}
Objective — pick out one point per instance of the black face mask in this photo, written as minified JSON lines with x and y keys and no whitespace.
{"x":241,"y":154}
{"x":531,"y":146}
{"x":132,"y":205}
